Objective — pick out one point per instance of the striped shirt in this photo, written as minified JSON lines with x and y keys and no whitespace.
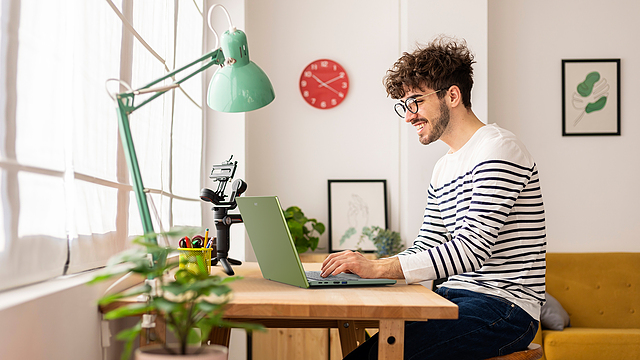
{"x":484,"y":224}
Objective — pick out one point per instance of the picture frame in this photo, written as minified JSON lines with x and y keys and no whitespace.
{"x":354,"y":204}
{"x":590,"y":97}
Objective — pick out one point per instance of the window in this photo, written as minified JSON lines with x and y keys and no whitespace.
{"x":67,"y":205}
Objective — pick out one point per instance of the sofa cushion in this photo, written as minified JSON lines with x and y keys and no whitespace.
{"x":598,"y":290}
{"x":589,"y":343}
{"x":552,"y":315}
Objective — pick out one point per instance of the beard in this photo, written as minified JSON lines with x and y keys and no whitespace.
{"x":438,"y":125}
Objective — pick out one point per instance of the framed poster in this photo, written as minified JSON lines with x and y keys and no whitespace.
{"x":591,"y":97}
{"x":354,"y":204}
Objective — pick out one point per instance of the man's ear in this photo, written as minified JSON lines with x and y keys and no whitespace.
{"x":455,"y":97}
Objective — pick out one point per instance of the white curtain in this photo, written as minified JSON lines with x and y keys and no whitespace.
{"x":67,"y":205}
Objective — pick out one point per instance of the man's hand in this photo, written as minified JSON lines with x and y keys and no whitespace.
{"x":353,"y":262}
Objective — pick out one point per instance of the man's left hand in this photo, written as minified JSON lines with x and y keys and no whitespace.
{"x":354,"y":262}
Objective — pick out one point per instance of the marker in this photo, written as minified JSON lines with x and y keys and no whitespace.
{"x":186,"y":239}
{"x":197,"y":242}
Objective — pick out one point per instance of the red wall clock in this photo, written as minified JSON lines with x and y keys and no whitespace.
{"x":324,"y":84}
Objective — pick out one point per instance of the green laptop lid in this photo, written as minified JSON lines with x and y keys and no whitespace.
{"x":272,"y":243}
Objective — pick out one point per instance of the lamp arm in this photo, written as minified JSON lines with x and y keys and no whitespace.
{"x":132,"y":165}
{"x":216,"y":57}
{"x":125,"y":107}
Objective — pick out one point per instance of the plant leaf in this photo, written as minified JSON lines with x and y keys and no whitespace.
{"x":111,"y":272}
{"x":129,"y":335}
{"x":207,"y":307}
{"x":137,"y":290}
{"x":128,"y":310}
{"x":193,"y":337}
{"x":313,"y":243}
{"x":295,"y":228}
{"x":319,"y":227}
{"x":165,"y":305}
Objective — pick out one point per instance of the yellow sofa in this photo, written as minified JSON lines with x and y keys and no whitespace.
{"x":601,"y":293}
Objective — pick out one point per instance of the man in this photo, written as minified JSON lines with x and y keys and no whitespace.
{"x":484,"y":225}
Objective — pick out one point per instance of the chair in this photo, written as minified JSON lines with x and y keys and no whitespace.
{"x":533,"y":352}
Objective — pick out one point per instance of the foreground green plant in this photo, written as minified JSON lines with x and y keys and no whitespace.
{"x":303,"y":230}
{"x":187,"y":300}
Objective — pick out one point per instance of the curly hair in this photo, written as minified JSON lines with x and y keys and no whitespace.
{"x":444,"y":62}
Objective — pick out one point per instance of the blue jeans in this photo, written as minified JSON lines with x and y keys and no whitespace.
{"x":487,"y":326}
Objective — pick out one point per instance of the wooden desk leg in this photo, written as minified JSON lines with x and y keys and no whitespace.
{"x":351,"y":336}
{"x":220,"y":336}
{"x":391,"y":339}
{"x":157,"y":335}
{"x":360,"y":334}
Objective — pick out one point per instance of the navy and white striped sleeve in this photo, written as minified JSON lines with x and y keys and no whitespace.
{"x":432,"y":232}
{"x":472,"y":209}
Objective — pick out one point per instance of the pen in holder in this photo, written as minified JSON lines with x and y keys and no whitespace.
{"x":193,"y":259}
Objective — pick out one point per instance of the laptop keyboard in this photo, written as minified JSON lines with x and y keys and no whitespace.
{"x":315,"y":275}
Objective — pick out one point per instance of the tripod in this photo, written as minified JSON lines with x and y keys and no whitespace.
{"x":223,"y":223}
{"x":223,"y":173}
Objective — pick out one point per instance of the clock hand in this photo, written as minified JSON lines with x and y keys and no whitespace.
{"x":334,"y":79}
{"x":318,"y":80}
{"x":330,"y":88}
{"x":322,"y":83}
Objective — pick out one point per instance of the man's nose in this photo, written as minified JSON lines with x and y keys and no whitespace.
{"x":409,"y":116}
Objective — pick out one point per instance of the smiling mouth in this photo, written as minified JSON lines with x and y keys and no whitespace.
{"x":419,"y":127}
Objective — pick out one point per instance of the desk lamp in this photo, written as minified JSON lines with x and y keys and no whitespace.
{"x":238,"y":86}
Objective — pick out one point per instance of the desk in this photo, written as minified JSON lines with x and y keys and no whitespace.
{"x":349,"y":309}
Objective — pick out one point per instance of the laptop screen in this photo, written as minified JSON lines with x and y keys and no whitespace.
{"x":271,"y":240}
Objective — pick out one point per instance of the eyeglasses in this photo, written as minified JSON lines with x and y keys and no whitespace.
{"x":411,"y":104}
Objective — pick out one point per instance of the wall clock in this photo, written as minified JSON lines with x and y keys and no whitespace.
{"x":324,"y":84}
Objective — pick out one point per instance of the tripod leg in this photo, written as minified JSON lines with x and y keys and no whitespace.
{"x":234,"y":261}
{"x":226,"y":266}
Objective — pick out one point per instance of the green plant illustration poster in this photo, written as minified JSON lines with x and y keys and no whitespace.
{"x":591,"y":97}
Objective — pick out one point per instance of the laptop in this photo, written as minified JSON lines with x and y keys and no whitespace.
{"x":275,"y":251}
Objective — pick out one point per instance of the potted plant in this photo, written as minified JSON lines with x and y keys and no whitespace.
{"x":387,"y":242}
{"x":305,"y":232}
{"x":189,"y":299}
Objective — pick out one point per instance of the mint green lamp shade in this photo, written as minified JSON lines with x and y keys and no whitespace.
{"x":240,"y":85}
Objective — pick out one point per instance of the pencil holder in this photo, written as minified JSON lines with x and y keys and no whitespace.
{"x":192,"y":259}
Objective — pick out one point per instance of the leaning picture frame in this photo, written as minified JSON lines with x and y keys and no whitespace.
{"x":354,"y":204}
{"x":590,"y":97}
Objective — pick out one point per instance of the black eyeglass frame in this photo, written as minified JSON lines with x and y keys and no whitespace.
{"x":401,"y":107}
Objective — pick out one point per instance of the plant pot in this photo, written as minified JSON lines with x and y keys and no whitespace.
{"x":158,"y":352}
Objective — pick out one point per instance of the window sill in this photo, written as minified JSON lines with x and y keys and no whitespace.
{"x":14,"y":297}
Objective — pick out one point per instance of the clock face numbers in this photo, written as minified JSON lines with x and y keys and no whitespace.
{"x":324,"y":84}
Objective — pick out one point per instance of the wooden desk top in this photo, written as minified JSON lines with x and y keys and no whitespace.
{"x":256,"y":297}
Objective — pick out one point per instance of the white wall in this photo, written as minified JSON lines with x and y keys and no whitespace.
{"x":293,"y":148}
{"x":588,"y":183}
{"x":57,"y":319}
